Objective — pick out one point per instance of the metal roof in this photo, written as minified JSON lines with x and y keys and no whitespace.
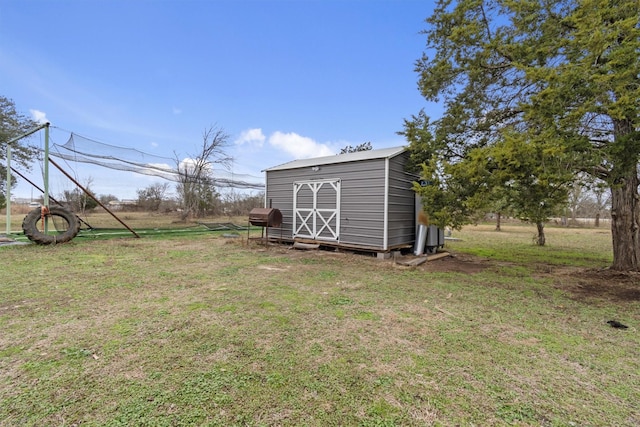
{"x":384,"y":153}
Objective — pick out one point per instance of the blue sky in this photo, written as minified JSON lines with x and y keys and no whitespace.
{"x":285,"y":79}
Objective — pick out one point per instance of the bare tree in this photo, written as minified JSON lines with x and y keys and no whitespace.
{"x":601,"y":201}
{"x":151,"y":197}
{"x":106,"y":198}
{"x":196,"y":185}
{"x":234,"y":204}
{"x":577,"y":197}
{"x":77,"y":200}
{"x":365,"y":146}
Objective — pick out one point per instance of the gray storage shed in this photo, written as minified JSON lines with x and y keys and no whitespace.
{"x":362,"y":200}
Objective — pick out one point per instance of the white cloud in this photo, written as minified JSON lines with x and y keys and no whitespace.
{"x":187,"y":164}
{"x":165,"y":166}
{"x":177,"y":111}
{"x":300,"y":147}
{"x":252,"y":137}
{"x":39,"y":116}
{"x":190,"y":165}
{"x":154,"y":144}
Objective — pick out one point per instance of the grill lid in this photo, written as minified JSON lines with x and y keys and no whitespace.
{"x":265,"y":217}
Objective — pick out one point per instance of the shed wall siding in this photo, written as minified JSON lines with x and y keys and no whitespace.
{"x":401,"y":202}
{"x":361,"y":203}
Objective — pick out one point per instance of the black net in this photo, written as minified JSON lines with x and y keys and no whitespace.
{"x":85,"y":150}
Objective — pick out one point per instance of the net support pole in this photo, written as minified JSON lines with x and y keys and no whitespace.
{"x":46,"y":166}
{"x":9,"y":143}
{"x":88,"y":193}
{"x":8,"y":189}
{"x":51,"y":198}
{"x":46,"y":177}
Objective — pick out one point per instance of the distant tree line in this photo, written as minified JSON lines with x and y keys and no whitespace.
{"x":157,"y":198}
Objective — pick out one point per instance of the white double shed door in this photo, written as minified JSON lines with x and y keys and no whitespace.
{"x":316,"y":209}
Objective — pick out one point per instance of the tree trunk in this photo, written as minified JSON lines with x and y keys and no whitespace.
{"x":540,"y":239}
{"x":597,"y":220}
{"x":625,"y":223}
{"x":498,"y":216}
{"x":625,"y":207}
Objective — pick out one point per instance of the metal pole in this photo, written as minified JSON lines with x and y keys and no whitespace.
{"x":26,"y":134}
{"x":88,"y":193}
{"x":45,"y":199}
{"x":11,"y":141}
{"x":51,"y":198}
{"x":46,"y":166}
{"x":8,"y":189}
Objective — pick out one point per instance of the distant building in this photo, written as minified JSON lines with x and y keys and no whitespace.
{"x":117,"y":205}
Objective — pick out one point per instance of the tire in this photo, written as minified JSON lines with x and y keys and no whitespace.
{"x":34,"y":219}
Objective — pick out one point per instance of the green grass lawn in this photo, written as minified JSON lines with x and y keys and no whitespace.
{"x":206,"y":330}
{"x":583,"y":247}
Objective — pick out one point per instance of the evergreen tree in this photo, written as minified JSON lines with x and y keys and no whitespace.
{"x":12,"y":125}
{"x":550,"y":87}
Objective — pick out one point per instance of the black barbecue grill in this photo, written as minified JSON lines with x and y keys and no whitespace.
{"x":265,"y":218}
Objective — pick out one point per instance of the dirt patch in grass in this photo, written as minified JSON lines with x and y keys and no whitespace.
{"x":605,"y":284}
{"x":458,"y":263}
{"x":581,"y":284}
